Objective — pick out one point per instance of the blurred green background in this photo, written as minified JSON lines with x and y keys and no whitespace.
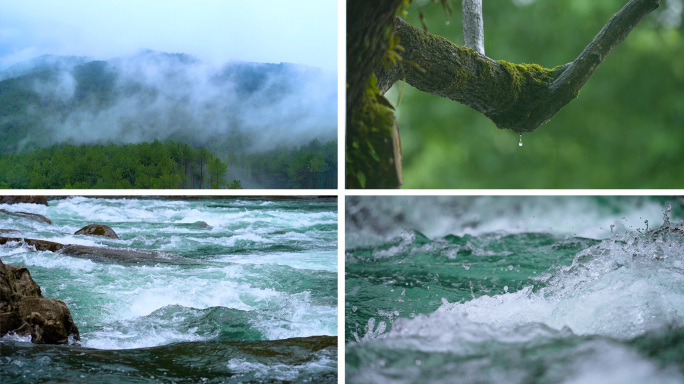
{"x":625,"y":130}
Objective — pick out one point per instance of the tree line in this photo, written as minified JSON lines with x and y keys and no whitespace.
{"x":313,"y":165}
{"x":168,"y":165}
{"x":154,"y":165}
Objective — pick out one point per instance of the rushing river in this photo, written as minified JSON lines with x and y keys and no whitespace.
{"x":245,"y":290}
{"x":514,"y":290}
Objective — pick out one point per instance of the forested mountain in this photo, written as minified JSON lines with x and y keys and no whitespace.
{"x":235,"y":111}
{"x":42,"y":63}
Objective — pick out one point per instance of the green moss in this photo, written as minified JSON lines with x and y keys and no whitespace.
{"x":369,"y":158}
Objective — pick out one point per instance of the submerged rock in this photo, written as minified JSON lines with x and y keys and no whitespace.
{"x":202,"y":224}
{"x":97,"y":230}
{"x":26,"y":215}
{"x":24,"y":310}
{"x":117,"y":254}
{"x":23,"y":199}
{"x":98,"y":253}
{"x":9,"y":231}
{"x":39,"y":245}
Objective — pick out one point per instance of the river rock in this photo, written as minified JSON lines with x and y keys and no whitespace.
{"x":121,"y":254}
{"x":40,"y":245}
{"x":24,"y":310}
{"x":26,"y":215}
{"x":97,"y":230}
{"x":202,"y":224}
{"x":23,"y":199}
{"x":99,"y":253}
{"x":9,"y":231}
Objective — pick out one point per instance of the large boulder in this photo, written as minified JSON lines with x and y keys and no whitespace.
{"x":23,"y":199}
{"x":97,"y":230}
{"x":24,"y":310}
{"x":26,"y":215}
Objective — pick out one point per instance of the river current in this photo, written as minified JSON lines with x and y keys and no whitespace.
{"x":514,"y":289}
{"x":244,"y":290}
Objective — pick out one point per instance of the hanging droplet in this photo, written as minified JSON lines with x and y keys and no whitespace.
{"x":448,"y":22}
{"x":520,"y":143}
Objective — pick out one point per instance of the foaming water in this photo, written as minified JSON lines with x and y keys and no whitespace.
{"x":232,"y":269}
{"x":375,"y":220}
{"x":520,"y":307}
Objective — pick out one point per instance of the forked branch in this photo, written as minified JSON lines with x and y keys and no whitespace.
{"x":520,"y":97}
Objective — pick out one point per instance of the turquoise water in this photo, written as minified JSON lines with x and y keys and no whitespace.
{"x":244,"y":290}
{"x":514,"y":290}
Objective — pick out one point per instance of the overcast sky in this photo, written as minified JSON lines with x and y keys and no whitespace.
{"x":215,"y":31}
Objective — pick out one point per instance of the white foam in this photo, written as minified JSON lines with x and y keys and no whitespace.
{"x":298,"y":317}
{"x":50,"y":260}
{"x":606,"y":363}
{"x":615,"y":289}
{"x":319,"y":261}
{"x":254,"y":370}
{"x":149,"y":337}
{"x":12,"y":336}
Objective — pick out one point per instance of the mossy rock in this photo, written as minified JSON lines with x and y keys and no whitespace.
{"x":97,"y":230}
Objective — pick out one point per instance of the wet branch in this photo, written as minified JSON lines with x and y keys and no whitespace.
{"x":473,"y":28}
{"x":520,"y":97}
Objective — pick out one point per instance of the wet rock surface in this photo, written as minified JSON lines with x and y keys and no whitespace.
{"x":39,"y":245}
{"x":26,"y":215}
{"x":24,"y":310}
{"x":97,"y":230}
{"x":42,"y":200}
{"x":96,"y":253}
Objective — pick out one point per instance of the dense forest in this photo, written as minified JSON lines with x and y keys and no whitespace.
{"x":154,"y":165}
{"x":313,"y":165}
{"x":167,"y":165}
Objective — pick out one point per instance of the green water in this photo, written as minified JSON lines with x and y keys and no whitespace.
{"x":245,"y":289}
{"x":514,"y":290}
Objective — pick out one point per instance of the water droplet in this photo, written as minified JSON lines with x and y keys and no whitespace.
{"x":520,"y":143}
{"x":448,"y":22}
{"x":506,"y":288}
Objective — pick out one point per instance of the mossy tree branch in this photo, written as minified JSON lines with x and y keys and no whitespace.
{"x":520,"y":97}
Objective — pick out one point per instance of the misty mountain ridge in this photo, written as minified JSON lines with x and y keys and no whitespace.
{"x":239,"y":106}
{"x":41,"y":63}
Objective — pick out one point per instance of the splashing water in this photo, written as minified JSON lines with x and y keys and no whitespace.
{"x":570,"y":309}
{"x":520,"y":142}
{"x":253,"y":274}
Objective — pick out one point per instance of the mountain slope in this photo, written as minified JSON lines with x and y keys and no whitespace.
{"x":154,"y":95}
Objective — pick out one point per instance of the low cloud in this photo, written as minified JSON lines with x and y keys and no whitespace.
{"x":155,"y":95}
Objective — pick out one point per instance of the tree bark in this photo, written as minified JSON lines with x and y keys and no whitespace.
{"x":373,"y":153}
{"x":520,"y":97}
{"x":473,"y":27}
